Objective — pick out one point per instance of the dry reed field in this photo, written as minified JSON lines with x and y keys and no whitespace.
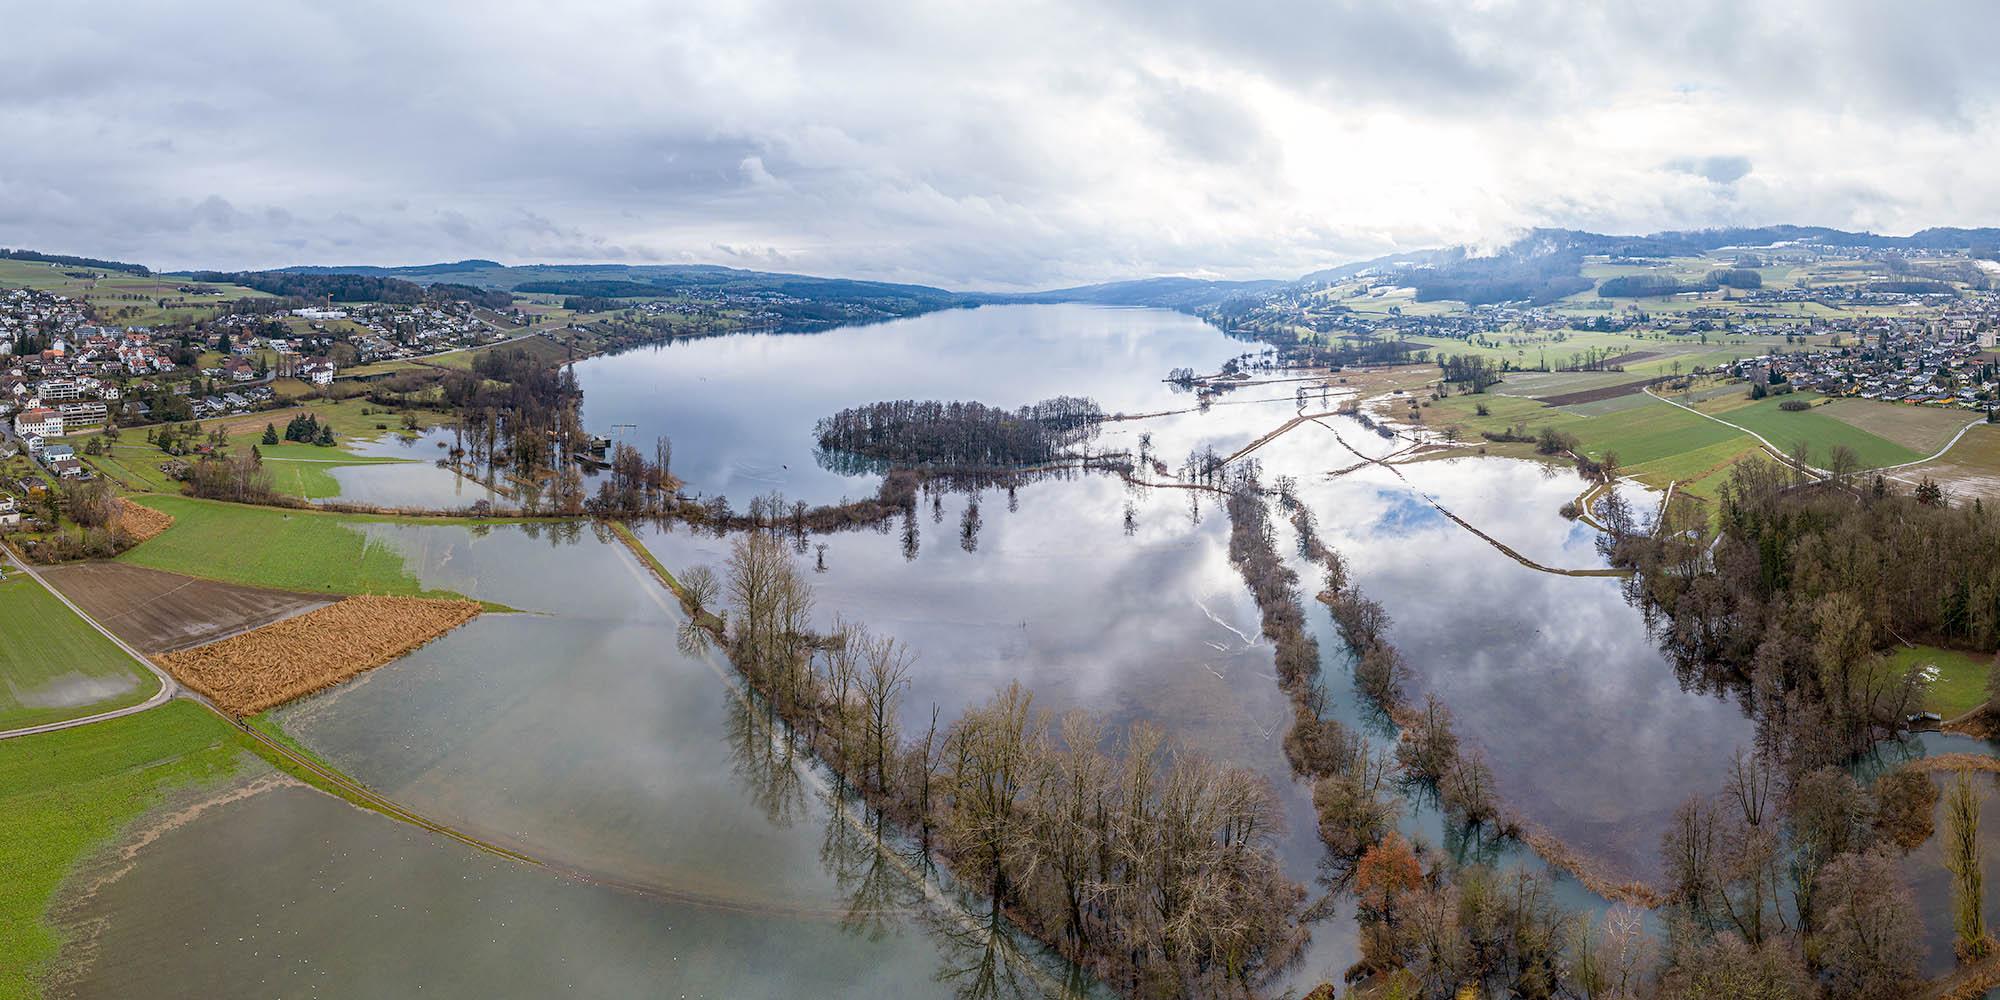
{"x":249,"y":673}
{"x":142,"y":523}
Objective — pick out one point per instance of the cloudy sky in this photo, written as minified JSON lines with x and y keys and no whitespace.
{"x":974,"y":145}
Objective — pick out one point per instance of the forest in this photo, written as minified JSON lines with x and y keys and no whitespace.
{"x":962,"y":435}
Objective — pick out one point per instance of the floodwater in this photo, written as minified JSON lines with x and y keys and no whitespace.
{"x":689,"y":851}
{"x":741,"y":408}
{"x":418,"y":484}
{"x":575,"y":732}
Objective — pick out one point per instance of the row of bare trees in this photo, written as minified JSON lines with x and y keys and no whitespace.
{"x":1148,"y":865}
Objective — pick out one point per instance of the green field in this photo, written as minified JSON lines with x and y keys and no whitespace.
{"x":1961,"y":683}
{"x":119,"y":297}
{"x":1819,"y":431}
{"x":267,"y":547}
{"x":62,"y":794}
{"x":44,"y":644}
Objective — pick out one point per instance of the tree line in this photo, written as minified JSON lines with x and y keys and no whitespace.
{"x":1149,"y":865}
{"x":962,"y":434}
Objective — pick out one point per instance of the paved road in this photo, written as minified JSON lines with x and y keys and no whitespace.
{"x":168,"y":687}
{"x":1781,"y":452}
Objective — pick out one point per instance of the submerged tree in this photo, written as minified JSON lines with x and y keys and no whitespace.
{"x":1963,"y":858}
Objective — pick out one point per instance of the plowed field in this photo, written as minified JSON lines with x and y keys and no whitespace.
{"x":157,"y":611}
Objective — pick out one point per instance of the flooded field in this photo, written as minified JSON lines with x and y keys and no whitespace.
{"x":674,"y":824}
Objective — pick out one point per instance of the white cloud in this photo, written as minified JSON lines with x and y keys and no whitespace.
{"x":973,"y":145}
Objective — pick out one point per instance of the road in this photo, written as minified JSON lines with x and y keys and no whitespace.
{"x":168,"y":686}
{"x":1780,"y":452}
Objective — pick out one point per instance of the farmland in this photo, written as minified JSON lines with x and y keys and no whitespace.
{"x":54,"y":666}
{"x":248,"y":673}
{"x":157,"y":611}
{"x":1815,"y":428}
{"x":64,"y":793}
{"x":282,"y":549}
{"x":121,"y":297}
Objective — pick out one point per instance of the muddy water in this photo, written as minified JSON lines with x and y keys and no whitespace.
{"x":576,"y":733}
{"x":294,"y":893}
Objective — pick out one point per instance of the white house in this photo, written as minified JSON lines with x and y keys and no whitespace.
{"x":39,"y":422}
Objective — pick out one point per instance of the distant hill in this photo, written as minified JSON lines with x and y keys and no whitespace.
{"x":1170,"y":293}
{"x":1541,"y":266}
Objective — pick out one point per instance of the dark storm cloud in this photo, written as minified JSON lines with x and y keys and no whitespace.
{"x":972,"y":145}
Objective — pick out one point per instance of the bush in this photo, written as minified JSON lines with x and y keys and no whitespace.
{"x":1794,"y":405}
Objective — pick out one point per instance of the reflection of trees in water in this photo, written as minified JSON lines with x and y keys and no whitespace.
{"x":980,"y":961}
{"x":764,"y":761}
{"x":856,"y":853}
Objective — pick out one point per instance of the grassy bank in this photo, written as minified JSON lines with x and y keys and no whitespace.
{"x":44,"y":645}
{"x":63,"y":794}
{"x":1961,"y":682}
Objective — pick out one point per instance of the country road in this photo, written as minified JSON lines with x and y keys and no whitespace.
{"x":168,"y":686}
{"x":1782,"y":456}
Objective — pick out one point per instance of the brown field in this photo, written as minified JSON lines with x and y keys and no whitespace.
{"x":1593,"y":395}
{"x":1970,"y":469}
{"x":142,"y":523}
{"x":1923,"y":429}
{"x":157,"y":611}
{"x":249,"y":673}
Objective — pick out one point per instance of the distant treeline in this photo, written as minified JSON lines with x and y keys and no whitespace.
{"x":960,"y":434}
{"x":59,"y":258}
{"x":1536,"y":278}
{"x":1639,"y":286}
{"x":354,"y":288}
{"x":342,"y":287}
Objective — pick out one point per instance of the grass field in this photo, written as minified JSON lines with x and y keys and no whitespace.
{"x":1961,"y":683}
{"x":1923,"y":428}
{"x":1816,"y":428}
{"x":63,"y":794}
{"x":266,"y":547}
{"x":123,"y":298}
{"x":48,"y":654}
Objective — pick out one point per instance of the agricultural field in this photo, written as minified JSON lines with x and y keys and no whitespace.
{"x":119,"y":297}
{"x":1922,"y":428}
{"x":1970,"y":469}
{"x":296,"y":550}
{"x":248,"y":673}
{"x":158,"y":612}
{"x":1818,"y":430}
{"x":54,"y":666}
{"x":66,"y":793}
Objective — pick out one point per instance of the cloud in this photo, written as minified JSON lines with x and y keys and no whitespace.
{"x":979,"y":146}
{"x":1719,"y":169}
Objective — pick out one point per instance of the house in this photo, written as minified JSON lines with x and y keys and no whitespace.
{"x":10,"y":512}
{"x":318,"y":371}
{"x":76,"y":414}
{"x":241,"y":370}
{"x":68,"y":468}
{"x":41,"y":421}
{"x":32,"y":442}
{"x":58,"y":453}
